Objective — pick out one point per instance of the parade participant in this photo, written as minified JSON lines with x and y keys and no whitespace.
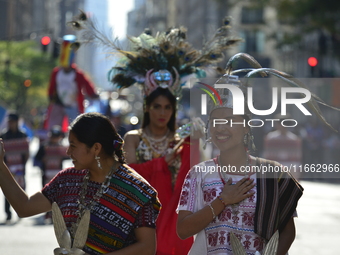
{"x":67,"y":87}
{"x":51,"y":154}
{"x":16,"y":143}
{"x":123,"y":206}
{"x":152,"y":151}
{"x":162,"y":64}
{"x":229,"y":210}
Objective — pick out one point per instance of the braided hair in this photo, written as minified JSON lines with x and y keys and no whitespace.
{"x":93,"y":127}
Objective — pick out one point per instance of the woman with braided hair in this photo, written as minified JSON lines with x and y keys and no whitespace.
{"x":161,"y":65}
{"x":123,"y":206}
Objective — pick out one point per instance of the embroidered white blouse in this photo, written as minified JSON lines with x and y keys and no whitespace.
{"x":202,"y":185}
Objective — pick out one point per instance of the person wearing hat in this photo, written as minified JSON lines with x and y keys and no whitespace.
{"x":17,"y":148}
{"x":68,"y":85}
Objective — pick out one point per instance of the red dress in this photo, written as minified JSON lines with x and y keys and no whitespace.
{"x":168,"y":184}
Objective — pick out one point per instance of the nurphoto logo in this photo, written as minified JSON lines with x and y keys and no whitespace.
{"x":238,"y":103}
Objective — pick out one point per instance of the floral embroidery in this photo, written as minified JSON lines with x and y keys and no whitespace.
{"x":212,"y":239}
{"x":238,"y":219}
{"x":184,"y":197}
{"x":247,"y":243}
{"x":248,"y":218}
{"x":222,"y":238}
{"x":210,"y":194}
{"x":225,"y":215}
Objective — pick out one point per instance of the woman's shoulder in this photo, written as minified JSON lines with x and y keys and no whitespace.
{"x":71,"y":171}
{"x":66,"y":178}
{"x":263,"y":161}
{"x":270,"y":169}
{"x":209,"y":162}
{"x":203,"y":168}
{"x":133,"y":135}
{"x":134,"y":132}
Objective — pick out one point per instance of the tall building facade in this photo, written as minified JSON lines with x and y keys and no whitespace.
{"x":91,"y":57}
{"x":32,"y":19}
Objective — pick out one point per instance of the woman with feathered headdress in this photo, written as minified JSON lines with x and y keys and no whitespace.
{"x":154,"y":150}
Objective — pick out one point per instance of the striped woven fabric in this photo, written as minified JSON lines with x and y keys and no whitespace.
{"x":278,"y":195}
{"x":130,"y":202}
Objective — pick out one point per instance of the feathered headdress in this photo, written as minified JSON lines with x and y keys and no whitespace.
{"x":225,"y":97}
{"x":162,"y":60}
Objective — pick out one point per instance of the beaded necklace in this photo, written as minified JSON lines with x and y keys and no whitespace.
{"x":159,"y":145}
{"x":88,"y":205}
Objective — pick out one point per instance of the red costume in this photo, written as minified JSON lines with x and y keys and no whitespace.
{"x":157,"y":173}
{"x":67,"y":87}
{"x":83,"y":85}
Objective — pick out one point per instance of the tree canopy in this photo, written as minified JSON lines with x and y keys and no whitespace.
{"x":24,"y":76}
{"x":307,"y":16}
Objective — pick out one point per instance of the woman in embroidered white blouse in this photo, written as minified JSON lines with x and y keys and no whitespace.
{"x":219,"y":199}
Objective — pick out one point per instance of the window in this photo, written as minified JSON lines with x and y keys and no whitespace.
{"x":254,"y":41}
{"x":252,"y":15}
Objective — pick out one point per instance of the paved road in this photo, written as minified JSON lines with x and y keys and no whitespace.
{"x":28,"y":236}
{"x":318,"y":224}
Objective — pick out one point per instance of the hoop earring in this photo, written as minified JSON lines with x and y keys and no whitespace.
{"x":98,"y":162}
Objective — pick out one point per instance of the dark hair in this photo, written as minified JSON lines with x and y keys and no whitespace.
{"x":93,"y":127}
{"x":13,"y":116}
{"x":150,"y":98}
{"x":56,"y":131}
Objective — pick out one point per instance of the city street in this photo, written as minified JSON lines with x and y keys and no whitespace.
{"x":317,"y":225}
{"x":28,"y":236}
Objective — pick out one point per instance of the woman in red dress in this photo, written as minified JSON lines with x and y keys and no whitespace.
{"x":162,"y":64}
{"x":153,"y":153}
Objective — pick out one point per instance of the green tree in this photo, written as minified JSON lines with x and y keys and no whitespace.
{"x":307,"y":16}
{"x":20,"y":61}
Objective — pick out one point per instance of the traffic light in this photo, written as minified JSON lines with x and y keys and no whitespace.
{"x":27,"y":83}
{"x":312,"y":62}
{"x":45,"y":41}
